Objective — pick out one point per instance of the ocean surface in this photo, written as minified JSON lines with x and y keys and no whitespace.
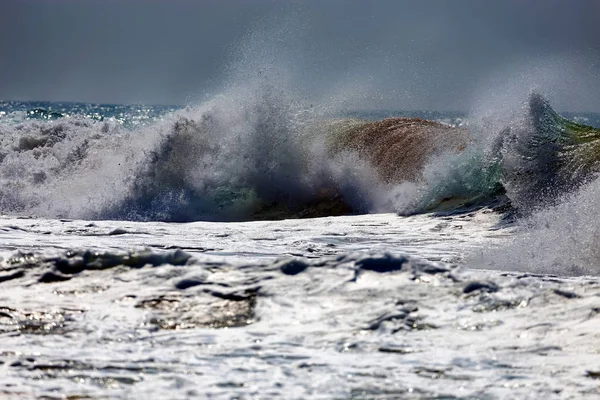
{"x":223,"y":250}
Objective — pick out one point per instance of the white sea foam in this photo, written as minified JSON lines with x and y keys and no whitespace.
{"x":561,"y":240}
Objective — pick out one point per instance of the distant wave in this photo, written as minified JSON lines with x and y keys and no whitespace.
{"x":254,"y":153}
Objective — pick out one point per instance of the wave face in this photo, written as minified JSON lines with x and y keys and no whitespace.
{"x":256,"y":152}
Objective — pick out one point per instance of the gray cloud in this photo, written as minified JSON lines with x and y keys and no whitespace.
{"x":396,"y":54}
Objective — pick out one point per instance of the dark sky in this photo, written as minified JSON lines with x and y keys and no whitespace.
{"x":418,"y":54}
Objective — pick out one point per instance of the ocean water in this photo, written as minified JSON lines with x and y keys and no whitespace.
{"x":222,"y":250}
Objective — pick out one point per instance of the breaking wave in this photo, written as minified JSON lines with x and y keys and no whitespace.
{"x":250,"y":153}
{"x":257,"y":152}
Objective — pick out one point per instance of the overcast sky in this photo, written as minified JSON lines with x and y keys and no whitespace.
{"x":420,"y":54}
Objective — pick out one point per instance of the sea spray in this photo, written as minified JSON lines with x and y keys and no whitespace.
{"x":250,"y":150}
{"x":562,"y":239}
